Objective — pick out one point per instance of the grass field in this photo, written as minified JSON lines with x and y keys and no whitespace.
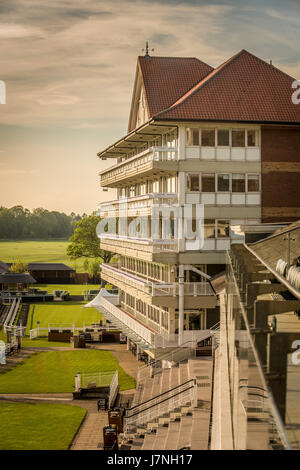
{"x":54,"y":371}
{"x":39,"y":251}
{"x":74,"y":289}
{"x":36,"y":342}
{"x":38,"y":426}
{"x":64,"y":312}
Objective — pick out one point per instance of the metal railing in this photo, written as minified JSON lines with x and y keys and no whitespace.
{"x":156,"y":288}
{"x":113,"y":389}
{"x":143,"y":244}
{"x":152,"y":409}
{"x":153,"y":154}
{"x":9,"y":321}
{"x":179,"y":354}
{"x":127,"y":321}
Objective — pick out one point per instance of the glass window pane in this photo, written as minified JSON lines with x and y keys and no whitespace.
{"x":223,"y":182}
{"x":208,"y":183}
{"x":238,"y":183}
{"x":208,"y":137}
{"x":192,"y":137}
{"x":238,"y":137}
{"x":223,"y":229}
{"x":253,"y":183}
{"x":193,"y":182}
{"x":223,"y":137}
{"x":209,"y":228}
{"x":252,"y":137}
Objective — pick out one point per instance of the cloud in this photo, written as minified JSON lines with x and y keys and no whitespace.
{"x":72,"y":63}
{"x":17,"y":31}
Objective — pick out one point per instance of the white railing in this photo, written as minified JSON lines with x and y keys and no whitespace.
{"x":126,"y":320}
{"x":11,"y":314}
{"x":124,"y":204}
{"x":190,"y":288}
{"x":151,"y":410}
{"x":100,"y":379}
{"x":155,"y":288}
{"x":153,"y":154}
{"x":113,"y":389}
{"x":61,"y":326}
{"x":143,"y":244}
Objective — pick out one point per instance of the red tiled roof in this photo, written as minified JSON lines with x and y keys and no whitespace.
{"x":244,"y":88}
{"x":167,"y":78}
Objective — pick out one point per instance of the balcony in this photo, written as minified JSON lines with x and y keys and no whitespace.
{"x":197,"y":294}
{"x":136,"y":206}
{"x":151,"y":161}
{"x":160,"y":251}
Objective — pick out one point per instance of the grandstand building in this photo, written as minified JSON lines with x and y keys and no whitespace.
{"x":226,"y":138}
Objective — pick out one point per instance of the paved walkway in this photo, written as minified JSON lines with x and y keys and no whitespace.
{"x":126,"y":359}
{"x":90,"y":433}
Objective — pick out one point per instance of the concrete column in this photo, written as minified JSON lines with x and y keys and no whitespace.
{"x":181,"y":143}
{"x":277,"y":377}
{"x":181,"y":304}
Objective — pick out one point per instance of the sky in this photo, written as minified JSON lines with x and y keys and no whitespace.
{"x":69,"y":68}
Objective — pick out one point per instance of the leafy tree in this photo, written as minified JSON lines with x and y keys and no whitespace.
{"x":19,"y":266}
{"x":84,"y":241}
{"x":86,"y":265}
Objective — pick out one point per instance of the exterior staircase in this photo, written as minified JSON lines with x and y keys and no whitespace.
{"x":172,"y":409}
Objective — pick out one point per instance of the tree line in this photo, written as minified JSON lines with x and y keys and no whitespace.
{"x":20,"y":223}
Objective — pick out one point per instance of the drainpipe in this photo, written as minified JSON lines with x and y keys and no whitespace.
{"x":181,"y":303}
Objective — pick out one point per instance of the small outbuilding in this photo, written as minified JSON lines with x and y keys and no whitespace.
{"x":16,"y":281}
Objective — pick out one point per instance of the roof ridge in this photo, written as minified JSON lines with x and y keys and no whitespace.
{"x":202,"y":82}
{"x":212,"y":74}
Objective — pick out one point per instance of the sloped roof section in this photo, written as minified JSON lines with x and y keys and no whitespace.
{"x":244,"y":88}
{"x":166,"y":79}
{"x":49,"y":267}
{"x":16,"y":278}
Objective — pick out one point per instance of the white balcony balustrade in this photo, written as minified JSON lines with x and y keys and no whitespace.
{"x":137,"y":205}
{"x":162,"y":158}
{"x":114,"y":274}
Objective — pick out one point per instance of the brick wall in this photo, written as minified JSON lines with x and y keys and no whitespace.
{"x":280,"y":157}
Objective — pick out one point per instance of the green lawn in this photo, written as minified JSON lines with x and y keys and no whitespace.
{"x":39,"y":251}
{"x":38,"y":426}
{"x":54,"y":371}
{"x":61,"y":312}
{"x":74,"y":289}
{"x":36,"y":342}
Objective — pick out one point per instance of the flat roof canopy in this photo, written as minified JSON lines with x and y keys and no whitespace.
{"x":135,"y":139}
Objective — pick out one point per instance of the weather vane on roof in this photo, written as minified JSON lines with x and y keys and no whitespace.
{"x":146,"y":50}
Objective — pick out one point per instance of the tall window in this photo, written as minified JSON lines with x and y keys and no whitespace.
{"x":223,"y":137}
{"x":224,"y":182}
{"x":252,"y":137}
{"x":208,"y":183}
{"x":208,"y":137}
{"x":238,"y":183}
{"x":253,"y":183}
{"x":192,"y":136}
{"x":193,"y":182}
{"x":238,"y":137}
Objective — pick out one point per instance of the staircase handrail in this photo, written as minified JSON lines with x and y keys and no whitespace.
{"x":156,"y":396}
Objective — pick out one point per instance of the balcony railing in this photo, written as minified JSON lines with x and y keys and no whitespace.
{"x":138,"y":163}
{"x":156,"y":288}
{"x":145,"y":244}
{"x":142,"y":204}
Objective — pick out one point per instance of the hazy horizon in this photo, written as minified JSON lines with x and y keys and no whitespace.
{"x":69,"y":68}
